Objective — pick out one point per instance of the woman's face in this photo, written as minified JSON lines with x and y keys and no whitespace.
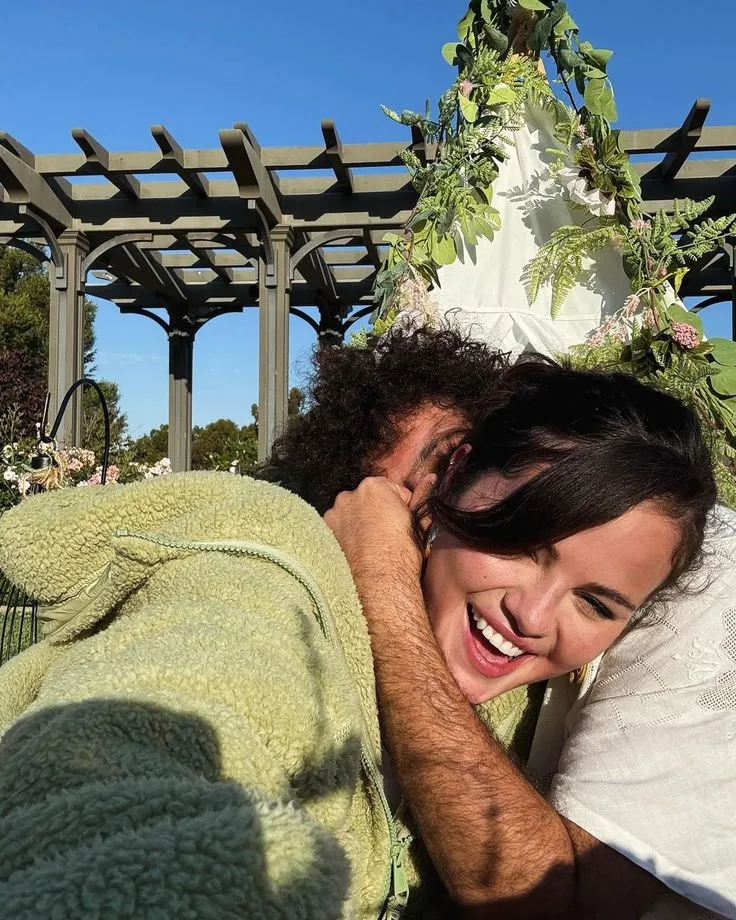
{"x":502,"y":622}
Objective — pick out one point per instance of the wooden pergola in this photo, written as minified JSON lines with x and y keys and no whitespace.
{"x":185,"y":235}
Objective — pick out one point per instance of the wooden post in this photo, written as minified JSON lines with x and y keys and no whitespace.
{"x":66,"y":335}
{"x":274,"y":301}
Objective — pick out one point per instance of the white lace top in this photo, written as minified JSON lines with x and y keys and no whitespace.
{"x":649,"y":764}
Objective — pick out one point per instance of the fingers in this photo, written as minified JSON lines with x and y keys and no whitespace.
{"x":423,"y":490}
{"x":373,"y":488}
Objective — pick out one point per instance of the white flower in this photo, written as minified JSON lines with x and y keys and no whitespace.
{"x":576,"y":186}
{"x":162,"y":468}
{"x":8,"y":451}
{"x":10,"y":475}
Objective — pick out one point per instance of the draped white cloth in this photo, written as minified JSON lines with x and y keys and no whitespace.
{"x":648,"y":760}
{"x":483,"y":288}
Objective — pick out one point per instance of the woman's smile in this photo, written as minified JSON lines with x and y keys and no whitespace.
{"x":492,"y":653}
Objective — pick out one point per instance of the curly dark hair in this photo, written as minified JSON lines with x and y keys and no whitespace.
{"x":360,"y":401}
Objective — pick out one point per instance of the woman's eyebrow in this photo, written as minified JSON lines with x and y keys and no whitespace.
{"x":611,"y":594}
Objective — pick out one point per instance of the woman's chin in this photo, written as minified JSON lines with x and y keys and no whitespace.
{"x":477,"y":689}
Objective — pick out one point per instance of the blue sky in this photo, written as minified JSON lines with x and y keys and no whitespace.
{"x":116,"y":69}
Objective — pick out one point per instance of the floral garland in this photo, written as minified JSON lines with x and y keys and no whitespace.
{"x":499,"y":72}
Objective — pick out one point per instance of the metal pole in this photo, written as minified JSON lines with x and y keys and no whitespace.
{"x":66,"y":334}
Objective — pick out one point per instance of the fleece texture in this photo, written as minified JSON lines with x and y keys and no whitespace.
{"x":189,"y":739}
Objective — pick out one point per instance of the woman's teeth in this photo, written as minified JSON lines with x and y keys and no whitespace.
{"x":496,"y":639}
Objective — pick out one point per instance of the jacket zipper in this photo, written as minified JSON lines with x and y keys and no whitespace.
{"x":396,"y":886}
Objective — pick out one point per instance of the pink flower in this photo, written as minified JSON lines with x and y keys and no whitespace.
{"x":466,"y":87}
{"x":685,"y":335}
{"x":640,"y":225}
{"x":631,"y":305}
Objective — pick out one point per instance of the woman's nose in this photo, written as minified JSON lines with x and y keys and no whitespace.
{"x":531,"y":609}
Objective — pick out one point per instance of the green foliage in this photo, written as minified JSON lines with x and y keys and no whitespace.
{"x":151,"y":447}
{"x":223,"y":444}
{"x":471,"y":126}
{"x":24,"y":334}
{"x":660,"y":351}
{"x":497,"y":75}
{"x":560,"y":260}
{"x":93,"y":426}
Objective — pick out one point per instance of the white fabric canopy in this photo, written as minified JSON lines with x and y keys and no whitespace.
{"x":483,"y":288}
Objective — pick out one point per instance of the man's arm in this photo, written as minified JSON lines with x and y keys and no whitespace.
{"x":501,"y":849}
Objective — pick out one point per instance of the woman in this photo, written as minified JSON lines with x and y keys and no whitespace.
{"x":591,"y":490}
{"x":200,"y":732}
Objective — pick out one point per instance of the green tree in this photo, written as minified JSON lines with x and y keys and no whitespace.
{"x":93,"y":420}
{"x":24,"y":340}
{"x":151,"y":447}
{"x":296,"y":400}
{"x":223,"y":444}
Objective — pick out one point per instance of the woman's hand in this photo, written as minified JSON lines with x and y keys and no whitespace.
{"x":374,"y":525}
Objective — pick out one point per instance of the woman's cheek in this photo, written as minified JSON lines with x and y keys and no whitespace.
{"x":582,"y":643}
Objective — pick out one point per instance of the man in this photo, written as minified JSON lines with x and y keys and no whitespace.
{"x":395,"y":410}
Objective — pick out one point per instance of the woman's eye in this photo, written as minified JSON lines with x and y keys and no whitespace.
{"x":597,"y":607}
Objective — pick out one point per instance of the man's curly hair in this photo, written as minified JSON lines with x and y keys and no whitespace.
{"x":360,"y":401}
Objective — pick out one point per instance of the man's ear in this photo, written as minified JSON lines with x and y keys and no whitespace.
{"x":456,"y":461}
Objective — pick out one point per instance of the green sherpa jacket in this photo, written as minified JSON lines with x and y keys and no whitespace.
{"x":197,"y":735}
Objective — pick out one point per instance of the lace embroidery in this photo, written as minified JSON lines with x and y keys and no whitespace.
{"x":723,"y":695}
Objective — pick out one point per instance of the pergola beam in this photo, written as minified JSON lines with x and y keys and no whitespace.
{"x":371,"y":249}
{"x":664,"y":140}
{"x":688,"y":136}
{"x":98,"y":163}
{"x":223,"y":294}
{"x":23,"y":186}
{"x":251,"y":176}
{"x":333,"y":149}
{"x":144,"y":268}
{"x":173,"y":154}
{"x":14,"y":146}
{"x":316,"y":273}
{"x":203,"y":254}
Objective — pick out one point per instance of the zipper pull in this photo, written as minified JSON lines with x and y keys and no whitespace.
{"x":399,"y":895}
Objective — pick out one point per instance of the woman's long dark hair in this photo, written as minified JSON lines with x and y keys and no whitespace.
{"x":600,"y":445}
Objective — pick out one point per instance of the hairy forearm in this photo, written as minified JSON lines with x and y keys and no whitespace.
{"x":492,"y":837}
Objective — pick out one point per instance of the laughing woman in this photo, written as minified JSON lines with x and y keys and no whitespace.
{"x":198,"y":733}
